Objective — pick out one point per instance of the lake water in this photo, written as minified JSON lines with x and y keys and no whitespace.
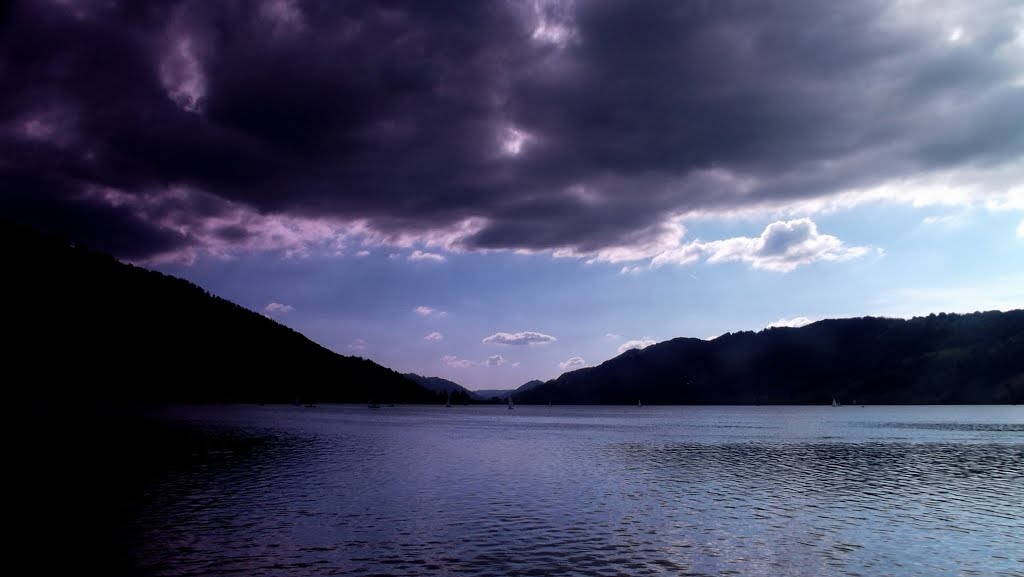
{"x":816,"y":491}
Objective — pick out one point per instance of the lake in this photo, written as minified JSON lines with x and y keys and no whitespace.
{"x":483,"y":490}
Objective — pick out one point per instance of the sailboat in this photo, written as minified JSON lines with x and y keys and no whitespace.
{"x":835,"y":403}
{"x":510,"y":403}
{"x":638,"y":403}
{"x":448,"y":403}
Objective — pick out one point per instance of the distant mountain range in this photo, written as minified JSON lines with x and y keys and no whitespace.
{"x":938,"y":359}
{"x":463,"y":395}
{"x":459,"y":394}
{"x":79,"y":325}
{"x":502,"y":394}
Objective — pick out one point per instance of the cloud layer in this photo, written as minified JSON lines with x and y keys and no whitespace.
{"x":590,"y":128}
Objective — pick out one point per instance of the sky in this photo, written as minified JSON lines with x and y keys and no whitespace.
{"x":499,"y":191}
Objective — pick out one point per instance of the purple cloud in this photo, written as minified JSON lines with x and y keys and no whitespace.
{"x":209,"y":127}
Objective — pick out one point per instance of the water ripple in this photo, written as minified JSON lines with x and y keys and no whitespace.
{"x":588,"y":493}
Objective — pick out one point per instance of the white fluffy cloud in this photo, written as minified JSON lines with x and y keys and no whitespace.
{"x":635,"y":344}
{"x":1020,"y":229}
{"x":491,"y":361}
{"x":457,"y":363}
{"x":522,"y":338}
{"x":573,"y":363}
{"x":782,"y":247}
{"x":273,"y":308}
{"x":357,"y":345}
{"x":946,"y":221}
{"x":429,"y":312}
{"x":793,"y":323}
{"x":428,"y":256}
{"x":434,"y":336}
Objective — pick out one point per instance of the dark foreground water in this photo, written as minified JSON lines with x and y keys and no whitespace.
{"x":811,"y":491}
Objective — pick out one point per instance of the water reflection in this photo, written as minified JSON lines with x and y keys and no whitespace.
{"x":591,"y":492}
{"x":898,"y":508}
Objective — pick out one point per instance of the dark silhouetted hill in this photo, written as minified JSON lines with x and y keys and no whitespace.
{"x":938,"y":359}
{"x":492,"y":395}
{"x":501,"y":395}
{"x":82,"y":325}
{"x":460,"y":395}
{"x":528,"y":385}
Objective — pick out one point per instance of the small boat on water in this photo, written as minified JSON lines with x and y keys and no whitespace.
{"x":511,"y":405}
{"x":835,"y":403}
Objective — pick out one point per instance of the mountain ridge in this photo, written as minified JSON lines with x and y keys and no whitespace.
{"x":83,"y":318}
{"x":78,"y":317}
{"x":458,"y":393}
{"x":939,"y":359}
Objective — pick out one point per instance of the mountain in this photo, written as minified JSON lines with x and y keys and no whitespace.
{"x":528,"y":385}
{"x":460,"y":395}
{"x":491,"y":395}
{"x":938,"y":359}
{"x":81,"y":325}
{"x":495,"y":395}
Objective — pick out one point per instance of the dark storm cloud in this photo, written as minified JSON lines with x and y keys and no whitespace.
{"x":54,"y":206}
{"x":576,"y":126}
